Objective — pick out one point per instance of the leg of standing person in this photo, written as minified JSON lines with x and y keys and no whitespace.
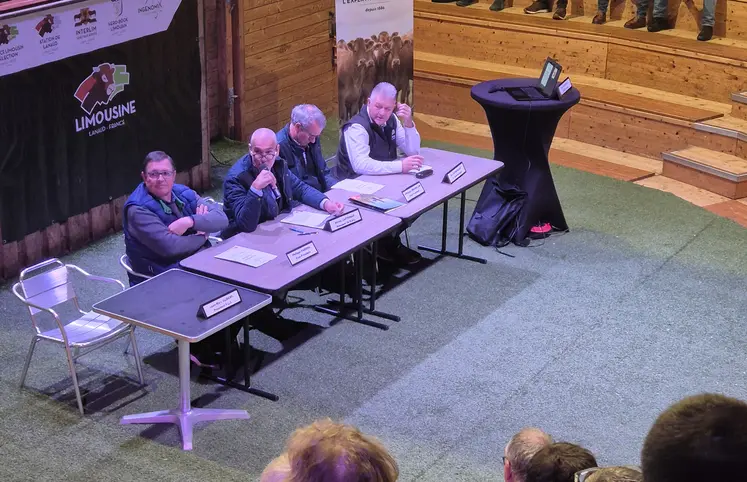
{"x":661,"y":17}
{"x":639,"y":21}
{"x":707,"y":20}
{"x":560,"y":10}
{"x":601,"y":16}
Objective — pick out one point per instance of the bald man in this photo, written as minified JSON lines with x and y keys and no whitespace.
{"x":520,"y":450}
{"x":260,"y":186}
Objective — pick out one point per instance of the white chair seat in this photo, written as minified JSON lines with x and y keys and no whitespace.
{"x":89,"y":328}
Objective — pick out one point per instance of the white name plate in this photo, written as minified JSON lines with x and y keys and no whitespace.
{"x":344,"y":220}
{"x":219,"y":304}
{"x":413,"y":191}
{"x":455,"y":173}
{"x":301,"y":253}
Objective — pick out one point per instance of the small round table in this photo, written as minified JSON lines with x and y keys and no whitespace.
{"x":522,"y":133}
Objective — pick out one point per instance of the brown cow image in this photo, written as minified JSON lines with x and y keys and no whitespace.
{"x":353,"y":64}
{"x":4,"y":34}
{"x":100,"y":86}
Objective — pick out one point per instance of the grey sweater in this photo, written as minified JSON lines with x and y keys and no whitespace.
{"x":147,"y":228}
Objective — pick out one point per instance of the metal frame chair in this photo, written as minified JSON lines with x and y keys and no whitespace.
{"x":43,"y":291}
{"x":124,"y":261}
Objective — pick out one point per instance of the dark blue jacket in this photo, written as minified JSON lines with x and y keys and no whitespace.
{"x":245,"y":210}
{"x":142,"y":259}
{"x":314,"y":171}
{"x":381,"y":140}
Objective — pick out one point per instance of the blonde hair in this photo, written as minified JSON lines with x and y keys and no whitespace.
{"x":326,"y":451}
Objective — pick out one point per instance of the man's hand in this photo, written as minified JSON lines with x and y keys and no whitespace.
{"x":202,"y":209}
{"x":264,"y":179}
{"x":333,"y":207}
{"x":181,"y":225}
{"x":411,"y":162}
{"x":404,"y":112}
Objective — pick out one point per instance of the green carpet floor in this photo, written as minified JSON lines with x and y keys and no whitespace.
{"x":588,"y":335}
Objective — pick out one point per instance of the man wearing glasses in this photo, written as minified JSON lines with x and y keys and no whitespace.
{"x":260,"y":186}
{"x":165,"y":222}
{"x":302,"y":150}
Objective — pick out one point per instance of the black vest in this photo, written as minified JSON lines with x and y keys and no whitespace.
{"x":381,"y":140}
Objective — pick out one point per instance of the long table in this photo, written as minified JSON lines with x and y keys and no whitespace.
{"x":168,"y":304}
{"x":277,"y":238}
{"x":436,"y":191}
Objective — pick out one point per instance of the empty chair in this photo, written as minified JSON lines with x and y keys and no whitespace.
{"x":46,"y":285}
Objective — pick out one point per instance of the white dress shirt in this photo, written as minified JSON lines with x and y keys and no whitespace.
{"x":356,"y":141}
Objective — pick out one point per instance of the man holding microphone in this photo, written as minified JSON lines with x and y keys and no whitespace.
{"x":369,"y":144}
{"x":260,"y":186}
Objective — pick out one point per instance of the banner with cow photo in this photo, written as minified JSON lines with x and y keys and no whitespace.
{"x":374,"y":44}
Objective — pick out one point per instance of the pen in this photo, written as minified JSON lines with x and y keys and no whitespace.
{"x":306,"y":234}
{"x":296,"y":230}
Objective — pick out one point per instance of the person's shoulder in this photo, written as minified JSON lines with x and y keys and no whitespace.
{"x":283,"y":135}
{"x":238,"y":167}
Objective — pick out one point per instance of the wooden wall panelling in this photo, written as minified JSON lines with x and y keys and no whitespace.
{"x":739,"y":110}
{"x":447,"y":99}
{"x":78,"y":230}
{"x":518,"y":45}
{"x":32,"y":247}
{"x":55,"y":240}
{"x":117,"y":206}
{"x":11,"y":259}
{"x":736,"y":18}
{"x":715,"y":184}
{"x":102,"y":222}
{"x":695,"y":76}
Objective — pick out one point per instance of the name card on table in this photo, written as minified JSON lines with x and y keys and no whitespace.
{"x":455,"y":173}
{"x":411,"y":192}
{"x":301,"y":253}
{"x":215,"y":306}
{"x":344,"y":220}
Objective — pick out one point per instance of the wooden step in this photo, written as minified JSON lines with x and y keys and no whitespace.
{"x":603,"y":91}
{"x":717,"y":172}
{"x":734,"y":210}
{"x":577,"y":155}
{"x":727,"y":126}
{"x":695,"y":195}
{"x":665,"y":61}
{"x":739,"y":105}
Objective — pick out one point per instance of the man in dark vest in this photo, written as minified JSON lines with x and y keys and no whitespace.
{"x":164,"y":223}
{"x":368,"y":145}
{"x":301,"y":147}
{"x":260,"y":186}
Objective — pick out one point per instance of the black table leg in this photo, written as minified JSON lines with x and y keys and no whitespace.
{"x":443,"y":251}
{"x":227,"y":380}
{"x":344,"y":308}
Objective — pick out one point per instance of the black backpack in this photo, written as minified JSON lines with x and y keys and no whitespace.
{"x":494,"y":221}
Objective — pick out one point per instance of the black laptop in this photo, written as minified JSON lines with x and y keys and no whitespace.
{"x":545,"y":87}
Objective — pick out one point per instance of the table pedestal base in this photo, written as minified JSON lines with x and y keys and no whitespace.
{"x":185,"y":416}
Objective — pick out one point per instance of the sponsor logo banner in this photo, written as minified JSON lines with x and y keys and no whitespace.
{"x":38,"y":38}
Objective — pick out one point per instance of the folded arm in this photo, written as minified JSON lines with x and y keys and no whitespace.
{"x":148,"y":228}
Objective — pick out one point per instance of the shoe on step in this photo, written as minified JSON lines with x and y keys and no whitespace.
{"x":658,"y":24}
{"x":636,"y":22}
{"x":559,"y":14}
{"x":537,"y":7}
{"x":465,"y":3}
{"x":706,"y":33}
{"x":600,"y":18}
{"x":497,"y":5}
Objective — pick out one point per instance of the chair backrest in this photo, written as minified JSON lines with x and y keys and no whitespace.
{"x":332,"y":161}
{"x":124,"y":261}
{"x":47,"y":284}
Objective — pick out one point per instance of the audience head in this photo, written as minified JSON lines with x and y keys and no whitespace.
{"x":559,"y":462}
{"x":611,"y":474}
{"x":158,"y":174}
{"x":700,"y":438}
{"x":382,"y":102}
{"x":307,"y":124}
{"x":326,"y":451}
{"x":263,"y":146}
{"x":520,"y":450}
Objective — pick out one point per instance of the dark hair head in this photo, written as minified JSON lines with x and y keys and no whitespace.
{"x":703,"y":437}
{"x":559,"y":462}
{"x":156,"y":156}
{"x":616,"y":474}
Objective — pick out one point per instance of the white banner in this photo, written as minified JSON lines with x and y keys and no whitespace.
{"x":374,"y":44}
{"x":39,"y":38}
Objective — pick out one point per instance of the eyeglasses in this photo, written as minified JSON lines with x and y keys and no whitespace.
{"x":312,"y":137}
{"x":264,"y":154}
{"x":154,"y":175}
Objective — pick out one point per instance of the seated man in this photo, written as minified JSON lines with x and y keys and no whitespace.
{"x":519,"y":452}
{"x":700,"y":438}
{"x":301,"y":147}
{"x":260,"y":186}
{"x":326,"y":451}
{"x":164,"y":223}
{"x":559,"y":462}
{"x":369,"y":145}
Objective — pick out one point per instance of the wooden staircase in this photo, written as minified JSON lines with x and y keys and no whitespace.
{"x":663,"y":97}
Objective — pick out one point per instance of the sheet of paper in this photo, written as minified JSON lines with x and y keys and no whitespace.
{"x":306,"y":218}
{"x":422,"y":168}
{"x":354,"y":185}
{"x":247,"y":256}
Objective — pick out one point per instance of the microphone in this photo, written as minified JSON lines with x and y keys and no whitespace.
{"x":275,"y":189}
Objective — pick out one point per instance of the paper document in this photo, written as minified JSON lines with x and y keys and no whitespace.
{"x":422,"y":168}
{"x":354,"y":185}
{"x":306,"y":218}
{"x":247,"y":256}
